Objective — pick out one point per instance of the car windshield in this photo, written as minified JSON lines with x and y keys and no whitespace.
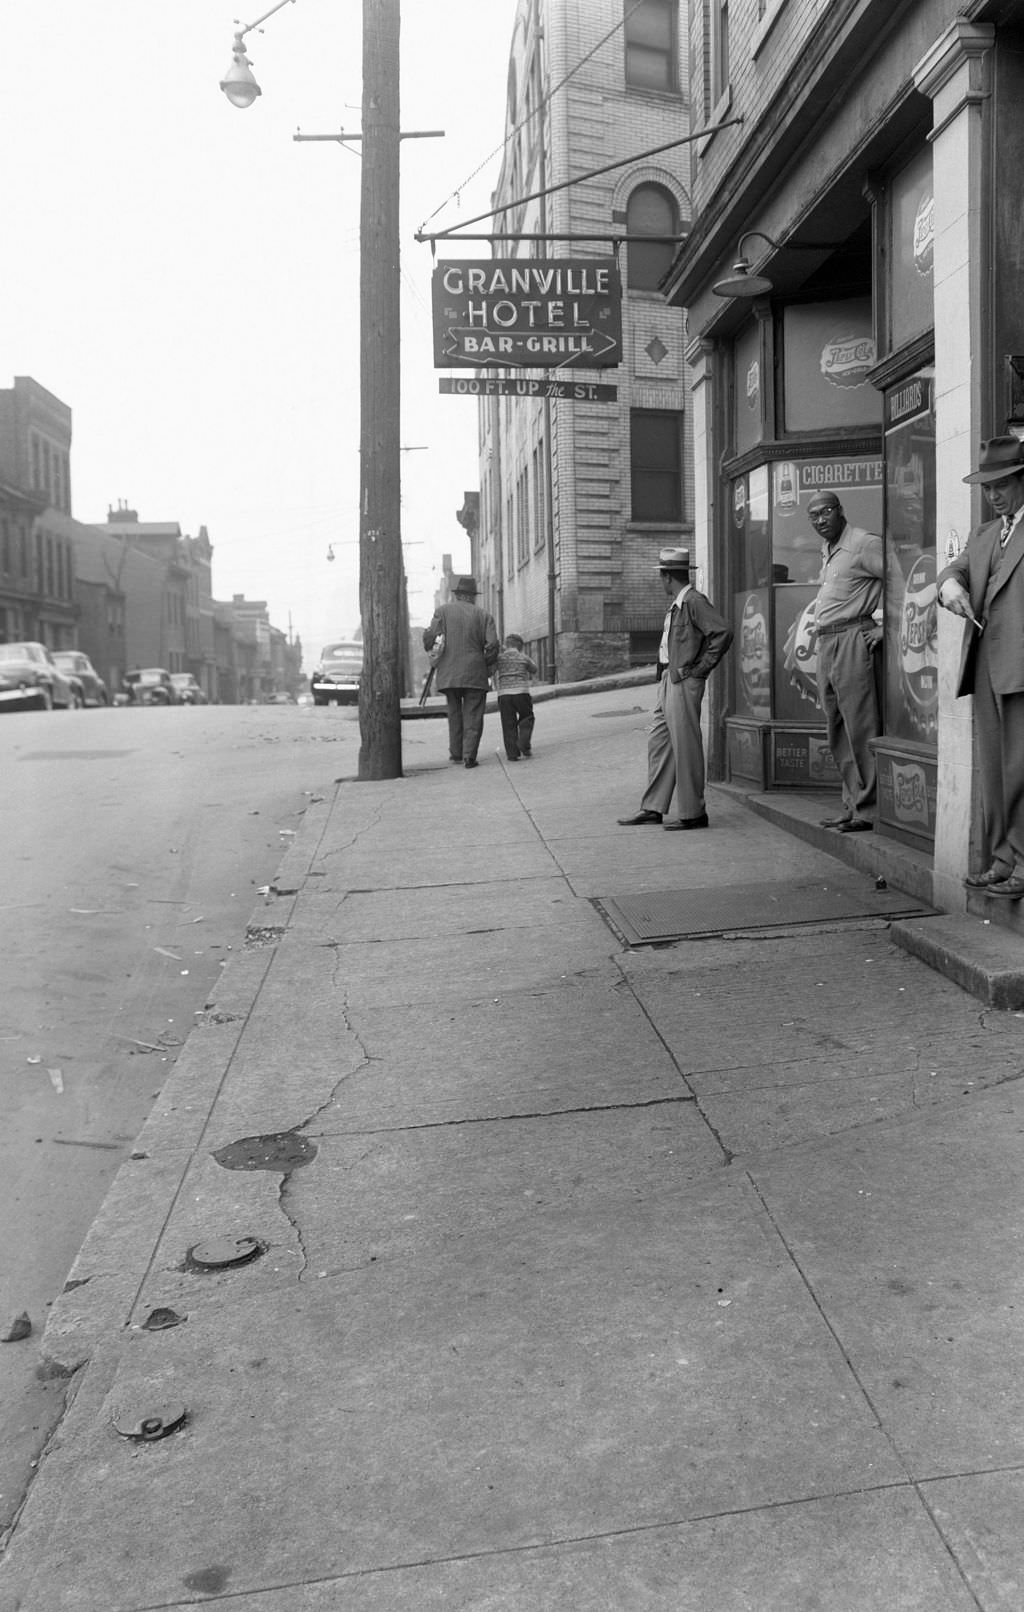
{"x":22,"y":652}
{"x":147,"y":676}
{"x":182,"y":679}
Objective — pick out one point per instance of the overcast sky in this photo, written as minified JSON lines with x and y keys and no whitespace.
{"x":186,"y":277}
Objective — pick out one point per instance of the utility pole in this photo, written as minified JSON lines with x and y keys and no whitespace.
{"x":380,"y":539}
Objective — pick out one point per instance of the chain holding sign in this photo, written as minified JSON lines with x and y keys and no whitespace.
{"x":527,"y":313}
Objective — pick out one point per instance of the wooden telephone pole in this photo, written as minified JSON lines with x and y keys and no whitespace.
{"x":380,"y":538}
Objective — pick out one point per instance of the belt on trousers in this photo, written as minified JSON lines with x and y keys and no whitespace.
{"x":841,"y":626}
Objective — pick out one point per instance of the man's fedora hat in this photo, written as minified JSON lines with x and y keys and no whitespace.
{"x":998,"y":457}
{"x":674,"y":560}
{"x":465,"y":585}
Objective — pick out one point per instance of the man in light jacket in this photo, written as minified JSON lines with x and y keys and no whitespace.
{"x":694,"y":639}
{"x":985,"y":585}
{"x":470,"y":650}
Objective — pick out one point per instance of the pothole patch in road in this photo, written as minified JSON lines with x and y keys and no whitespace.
{"x":263,"y":935}
{"x":282,"y":1151}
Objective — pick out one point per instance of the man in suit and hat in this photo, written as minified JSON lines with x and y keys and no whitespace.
{"x":694,"y":639}
{"x":985,"y":585}
{"x":470,"y":650}
{"x":846,"y":637}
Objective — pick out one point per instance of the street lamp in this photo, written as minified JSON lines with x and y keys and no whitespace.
{"x":238,"y":82}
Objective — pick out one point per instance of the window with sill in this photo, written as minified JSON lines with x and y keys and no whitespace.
{"x":656,"y":465}
{"x":650,"y":32}
{"x":651,"y":210}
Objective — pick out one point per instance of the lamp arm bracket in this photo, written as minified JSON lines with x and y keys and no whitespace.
{"x":251,"y":25}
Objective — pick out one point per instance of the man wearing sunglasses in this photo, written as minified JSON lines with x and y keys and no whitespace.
{"x":985,"y":585}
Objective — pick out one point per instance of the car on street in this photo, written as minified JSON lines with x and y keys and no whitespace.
{"x":150,"y":685}
{"x":189,"y":690}
{"x":29,"y":675}
{"x":336,"y":678}
{"x":80,"y":669}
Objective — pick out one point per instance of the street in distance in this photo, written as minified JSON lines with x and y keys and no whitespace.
{"x":576,"y":391}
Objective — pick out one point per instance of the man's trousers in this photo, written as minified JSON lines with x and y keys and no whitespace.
{"x":999,"y":723}
{"x":675,"y":750}
{"x":466,"y":708}
{"x":848,"y":695}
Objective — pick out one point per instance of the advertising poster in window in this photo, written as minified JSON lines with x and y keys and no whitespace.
{"x":911,"y":613}
{"x":752,"y":655}
{"x":828,"y":352}
{"x":796,"y":663}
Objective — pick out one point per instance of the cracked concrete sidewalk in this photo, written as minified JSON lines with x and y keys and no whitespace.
{"x":674,"y":1278}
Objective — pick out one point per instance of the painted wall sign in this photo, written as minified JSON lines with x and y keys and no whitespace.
{"x":527,"y":313}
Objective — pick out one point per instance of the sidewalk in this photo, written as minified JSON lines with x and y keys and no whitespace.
{"x":587,"y":1275}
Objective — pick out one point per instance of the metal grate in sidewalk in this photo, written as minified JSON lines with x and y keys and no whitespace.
{"x":656,"y":916}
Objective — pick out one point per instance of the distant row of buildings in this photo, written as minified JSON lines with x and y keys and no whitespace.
{"x":128,"y":593}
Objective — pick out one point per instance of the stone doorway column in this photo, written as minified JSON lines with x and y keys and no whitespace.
{"x":956,"y":75}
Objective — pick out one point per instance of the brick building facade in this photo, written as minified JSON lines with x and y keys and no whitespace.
{"x":577,"y":498}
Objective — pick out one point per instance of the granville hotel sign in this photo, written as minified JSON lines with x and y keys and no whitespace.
{"x":528,"y":313}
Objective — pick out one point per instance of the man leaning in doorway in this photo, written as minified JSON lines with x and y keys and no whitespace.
{"x":847,"y":636}
{"x":694,"y":639}
{"x":985,"y":585}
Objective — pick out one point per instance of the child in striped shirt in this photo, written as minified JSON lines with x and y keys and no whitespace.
{"x":512,"y":672}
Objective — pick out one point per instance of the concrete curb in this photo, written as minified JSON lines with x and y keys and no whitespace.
{"x":101,"y":1286}
{"x":412,"y":711}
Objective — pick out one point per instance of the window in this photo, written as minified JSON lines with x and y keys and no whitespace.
{"x":540,"y":525}
{"x":650,"y":211}
{"x":656,"y":464}
{"x":522,"y":516}
{"x":717,"y":34}
{"x":650,"y":39}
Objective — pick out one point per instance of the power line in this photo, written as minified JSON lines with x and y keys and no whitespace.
{"x":535,"y":113}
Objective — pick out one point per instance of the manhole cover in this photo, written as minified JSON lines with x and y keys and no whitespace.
{"x":657,"y":916}
{"x":281,"y":1150}
{"x":150,"y":1421}
{"x":223,"y":1253}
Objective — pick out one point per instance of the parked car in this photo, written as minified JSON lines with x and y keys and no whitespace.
{"x":336,"y":678}
{"x":81,"y":670}
{"x":29,"y":675}
{"x":189,"y":691}
{"x":150,"y":685}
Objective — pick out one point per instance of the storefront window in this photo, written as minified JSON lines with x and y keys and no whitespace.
{"x":796,"y":547}
{"x":828,"y":350}
{"x":912,"y":238}
{"x":911,"y":616}
{"x":778,"y":557}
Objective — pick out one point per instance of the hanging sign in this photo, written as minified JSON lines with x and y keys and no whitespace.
{"x":484,"y":386}
{"x":528,"y":313}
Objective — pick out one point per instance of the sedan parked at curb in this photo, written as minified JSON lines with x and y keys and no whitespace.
{"x":29,"y":675}
{"x":189,"y":691}
{"x":150,"y":685}
{"x":80,"y":669}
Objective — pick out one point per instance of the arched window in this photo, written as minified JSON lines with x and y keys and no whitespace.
{"x":651,"y":210}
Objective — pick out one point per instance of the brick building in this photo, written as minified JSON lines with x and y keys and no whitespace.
{"x":865,"y":345}
{"x":577,"y":498}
